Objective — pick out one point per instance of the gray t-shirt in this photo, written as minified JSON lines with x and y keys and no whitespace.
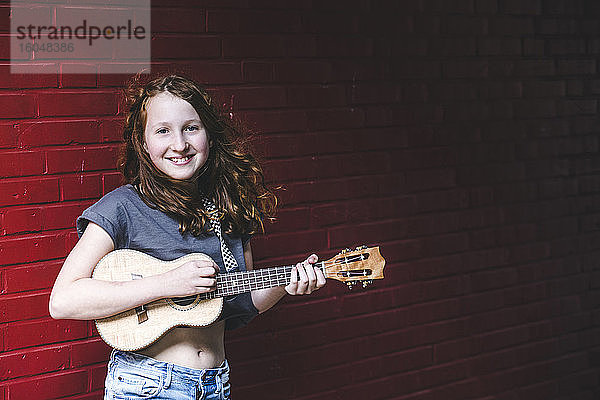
{"x":134,"y":225}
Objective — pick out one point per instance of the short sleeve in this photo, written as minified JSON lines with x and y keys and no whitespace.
{"x":245,"y":239}
{"x":239,"y":309}
{"x":110,"y":215}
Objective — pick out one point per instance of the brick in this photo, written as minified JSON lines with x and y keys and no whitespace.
{"x":78,"y":75}
{"x":349,"y":46}
{"x":22,"y":307}
{"x":289,"y":145}
{"x":8,"y":135}
{"x":31,"y":248}
{"x":576,"y":67}
{"x":183,"y":20}
{"x":290,"y":220}
{"x":17,"y":106}
{"x":212,"y":73}
{"x":255,"y":46}
{"x":352,"y":165}
{"x":277,"y":121}
{"x":62,"y":216}
{"x":50,"y":386}
{"x":303,"y":72}
{"x":378,"y":232}
{"x":57,"y":133}
{"x":111,"y":130}
{"x":257,"y":71}
{"x":511,"y":26}
{"x":78,"y":103}
{"x":499,"y":46}
{"x":46,"y":75}
{"x":31,"y":277}
{"x":518,"y":7}
{"x":311,"y":96}
{"x":21,"y":163}
{"x":259,"y":21}
{"x":284,"y":244}
{"x":82,"y":159}
{"x":290,"y":169}
{"x":32,"y":362}
{"x":535,"y":68}
{"x":178,"y":47}
{"x":430,"y":179}
{"x":335,"y":119}
{"x":21,"y":220}
{"x":111,"y":181}
{"x":89,"y":352}
{"x":331,"y":22}
{"x":15,"y":192}
{"x":300,"y":46}
{"x":251,"y":98}
{"x":465,"y":69}
{"x":561,"y":47}
{"x":97,"y":376}
{"x":111,"y":74}
{"x":81,"y":186}
{"x":544,"y":89}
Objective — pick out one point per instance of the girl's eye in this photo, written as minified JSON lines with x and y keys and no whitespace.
{"x":191,"y":128}
{"x":162,"y":130}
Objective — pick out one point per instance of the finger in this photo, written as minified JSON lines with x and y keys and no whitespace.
{"x":320,"y":277}
{"x":312,"y":277}
{"x":302,"y":276}
{"x":293,"y":285}
{"x":207,"y":271}
{"x":206,"y":284}
{"x":303,"y":283}
{"x":313,"y":258}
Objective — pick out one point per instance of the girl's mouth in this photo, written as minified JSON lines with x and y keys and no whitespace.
{"x":180,"y":160}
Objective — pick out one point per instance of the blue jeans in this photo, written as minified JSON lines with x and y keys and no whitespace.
{"x":134,"y":376}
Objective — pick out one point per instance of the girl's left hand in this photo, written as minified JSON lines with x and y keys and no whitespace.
{"x":305,"y":278}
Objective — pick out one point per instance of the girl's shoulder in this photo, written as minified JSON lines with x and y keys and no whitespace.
{"x":122,"y":194}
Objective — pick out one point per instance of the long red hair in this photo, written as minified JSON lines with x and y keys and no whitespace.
{"x":231,"y":177}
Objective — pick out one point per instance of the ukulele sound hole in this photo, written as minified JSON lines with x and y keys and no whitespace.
{"x":184,"y":301}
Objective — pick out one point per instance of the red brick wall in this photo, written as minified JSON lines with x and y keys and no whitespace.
{"x":460,"y":136}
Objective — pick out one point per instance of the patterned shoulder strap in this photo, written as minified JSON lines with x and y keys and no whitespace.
{"x":215,"y":223}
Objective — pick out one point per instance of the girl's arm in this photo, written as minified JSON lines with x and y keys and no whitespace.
{"x":76,"y":295}
{"x":311,"y":279}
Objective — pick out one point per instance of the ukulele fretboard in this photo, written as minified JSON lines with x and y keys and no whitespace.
{"x":240,"y":282}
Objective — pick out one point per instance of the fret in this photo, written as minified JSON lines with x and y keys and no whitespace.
{"x":233,"y":283}
{"x":240,"y":282}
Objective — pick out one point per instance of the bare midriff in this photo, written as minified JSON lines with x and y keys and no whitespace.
{"x":197,"y":348}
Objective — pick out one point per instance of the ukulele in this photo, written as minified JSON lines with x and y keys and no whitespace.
{"x":140,"y":327}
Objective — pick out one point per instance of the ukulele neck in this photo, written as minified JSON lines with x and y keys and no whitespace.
{"x":240,"y":282}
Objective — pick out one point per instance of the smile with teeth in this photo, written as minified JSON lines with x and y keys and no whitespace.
{"x":180,"y":160}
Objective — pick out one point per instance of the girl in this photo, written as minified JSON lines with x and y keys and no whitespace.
{"x":184,"y":173}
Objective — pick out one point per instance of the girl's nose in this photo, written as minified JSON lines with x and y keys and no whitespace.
{"x":179,"y":143}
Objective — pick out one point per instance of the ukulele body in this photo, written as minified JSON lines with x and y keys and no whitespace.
{"x":138,"y":328}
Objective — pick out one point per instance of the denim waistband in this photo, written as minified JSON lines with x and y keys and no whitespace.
{"x":174,"y":371}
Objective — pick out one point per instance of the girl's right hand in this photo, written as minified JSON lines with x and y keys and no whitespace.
{"x":193,"y":277}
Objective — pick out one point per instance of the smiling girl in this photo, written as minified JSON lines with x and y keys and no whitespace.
{"x":183,"y":167}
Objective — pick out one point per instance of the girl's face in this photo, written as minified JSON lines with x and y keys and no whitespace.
{"x":174,"y":136}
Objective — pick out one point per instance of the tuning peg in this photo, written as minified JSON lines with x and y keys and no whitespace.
{"x":363,"y":247}
{"x":350,"y":285}
{"x":365,"y":284}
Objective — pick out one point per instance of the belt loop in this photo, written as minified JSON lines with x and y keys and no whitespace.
{"x":219,"y":383}
{"x":169,"y":374}
{"x":200,"y":386}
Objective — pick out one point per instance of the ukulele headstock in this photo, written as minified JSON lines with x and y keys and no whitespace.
{"x":360,"y":265}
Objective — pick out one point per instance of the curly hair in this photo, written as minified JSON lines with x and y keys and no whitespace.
{"x":231,"y":177}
